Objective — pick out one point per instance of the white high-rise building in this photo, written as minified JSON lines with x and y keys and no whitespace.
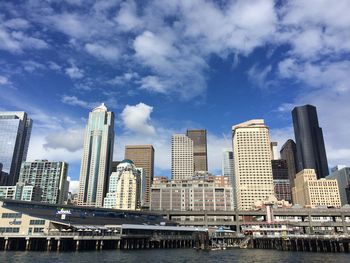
{"x":182,"y":166}
{"x":252,"y":162}
{"x":97,"y":157}
{"x":126,"y":187}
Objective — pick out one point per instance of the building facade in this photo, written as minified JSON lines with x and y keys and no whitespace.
{"x":143,"y":157}
{"x":343,"y":178}
{"x":21,"y":191}
{"x":125,"y":187}
{"x":289,"y":153}
{"x":312,"y":192}
{"x":182,"y":166}
{"x":50,"y":177}
{"x":252,"y":162}
{"x":311,"y":152}
{"x":15,"y":130}
{"x":227,"y":165}
{"x":200,"y":156}
{"x":97,"y":157}
{"x":192,"y":195}
{"x":281,"y":180}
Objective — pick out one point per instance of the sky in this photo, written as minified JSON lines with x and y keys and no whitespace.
{"x":167,"y":66}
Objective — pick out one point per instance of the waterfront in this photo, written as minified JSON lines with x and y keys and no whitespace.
{"x":173,"y":255}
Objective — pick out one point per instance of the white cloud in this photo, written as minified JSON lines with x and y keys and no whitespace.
{"x":74,"y":72}
{"x":136,"y":118}
{"x":71,"y":24}
{"x":127,"y":16}
{"x":16,"y":23}
{"x":107,"y":52}
{"x":259,"y":76}
{"x":4,"y":80}
{"x":70,"y":139}
{"x":30,"y":66}
{"x":154,"y":84}
{"x":54,"y":66}
{"x":74,"y":101}
{"x":126,"y":77}
{"x":73,"y":185}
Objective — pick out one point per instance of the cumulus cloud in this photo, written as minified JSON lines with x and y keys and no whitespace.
{"x":17,"y":41}
{"x":136,"y":118}
{"x":70,"y":140}
{"x":107,"y":52}
{"x":74,"y":72}
{"x":127,"y":16}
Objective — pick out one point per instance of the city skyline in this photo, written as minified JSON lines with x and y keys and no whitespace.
{"x":164,"y":74}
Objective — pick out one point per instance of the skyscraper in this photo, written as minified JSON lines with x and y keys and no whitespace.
{"x":50,"y":177}
{"x":252,"y":162}
{"x":200,"y":158}
{"x":97,"y":157}
{"x":124,"y":190}
{"x":181,"y":157}
{"x":311,"y":152}
{"x":227,"y":165}
{"x":15,"y":130}
{"x":143,"y":157}
{"x":281,"y":180}
{"x":289,"y":153}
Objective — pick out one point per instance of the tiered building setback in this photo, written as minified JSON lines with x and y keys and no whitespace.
{"x":97,"y":157}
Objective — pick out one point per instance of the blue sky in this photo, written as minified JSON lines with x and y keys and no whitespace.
{"x":165,"y":66}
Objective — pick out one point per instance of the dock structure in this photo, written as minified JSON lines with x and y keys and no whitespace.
{"x":39,"y":226}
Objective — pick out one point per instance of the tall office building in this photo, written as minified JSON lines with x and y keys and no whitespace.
{"x":281,"y":180}
{"x":227,"y":165}
{"x":311,"y":152}
{"x":143,"y":157}
{"x":125,"y":187}
{"x":181,"y":157}
{"x":200,"y":157}
{"x":15,"y":130}
{"x":289,"y":153}
{"x":50,"y":177}
{"x":97,"y":157}
{"x":252,"y":161}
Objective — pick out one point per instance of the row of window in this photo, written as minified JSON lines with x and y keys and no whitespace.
{"x":11,"y":215}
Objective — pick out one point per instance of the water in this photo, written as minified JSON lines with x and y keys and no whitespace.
{"x":173,"y":255}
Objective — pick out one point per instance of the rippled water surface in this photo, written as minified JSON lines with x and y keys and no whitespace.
{"x":173,"y":255}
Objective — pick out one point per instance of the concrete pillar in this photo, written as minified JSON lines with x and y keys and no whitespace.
{"x":6,"y":244}
{"x":48,"y":245}
{"x":58,"y":245}
{"x":101,"y":244}
{"x":27,"y":243}
{"x":77,"y":245}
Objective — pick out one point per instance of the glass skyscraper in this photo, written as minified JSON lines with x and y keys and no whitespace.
{"x":311,"y":152}
{"x":97,"y":157}
{"x":15,"y":130}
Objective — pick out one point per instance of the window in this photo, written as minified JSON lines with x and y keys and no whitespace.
{"x":37,"y":222}
{"x":11,"y":215}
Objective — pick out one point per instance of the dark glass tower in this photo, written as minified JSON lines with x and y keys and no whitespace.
{"x":311,"y":152}
{"x":200,"y":158}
